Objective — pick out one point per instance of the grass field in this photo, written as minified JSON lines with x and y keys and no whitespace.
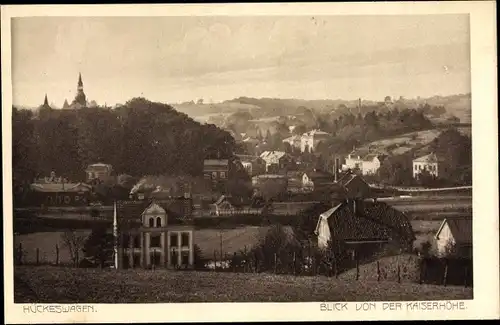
{"x":45,"y":284}
{"x":209,"y":240}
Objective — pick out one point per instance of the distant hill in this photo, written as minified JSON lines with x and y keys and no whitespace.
{"x":456,"y":105}
{"x":401,"y":144}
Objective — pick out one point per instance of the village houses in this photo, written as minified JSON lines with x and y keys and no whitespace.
{"x":294,"y":141}
{"x":277,"y":161}
{"x":310,"y":140}
{"x":360,"y":224}
{"x":454,"y":237}
{"x":428,"y":163}
{"x":316,"y":179}
{"x":99,"y":171}
{"x":367,"y":163}
{"x":216,"y":173}
{"x":254,"y":165}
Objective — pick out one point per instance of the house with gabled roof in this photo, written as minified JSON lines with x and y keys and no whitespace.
{"x":454,"y":237}
{"x":354,"y":186}
{"x":429,"y":163}
{"x":358,"y":223}
{"x":277,"y":161}
{"x":155,"y":233}
{"x":315,"y":179}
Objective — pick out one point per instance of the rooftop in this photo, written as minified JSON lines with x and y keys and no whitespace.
{"x":430,"y":158}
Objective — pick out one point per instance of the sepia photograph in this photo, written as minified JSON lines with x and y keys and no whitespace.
{"x":243,"y":158}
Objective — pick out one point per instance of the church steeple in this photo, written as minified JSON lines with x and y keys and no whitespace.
{"x":80,"y":98}
{"x":45,"y":101}
{"x":80,"y":82}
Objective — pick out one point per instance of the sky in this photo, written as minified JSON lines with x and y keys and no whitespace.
{"x":176,"y":59}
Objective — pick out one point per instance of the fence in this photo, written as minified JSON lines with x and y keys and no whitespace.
{"x":436,"y":271}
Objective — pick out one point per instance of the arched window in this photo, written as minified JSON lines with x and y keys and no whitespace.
{"x":151,"y":222}
{"x":158,"y":222}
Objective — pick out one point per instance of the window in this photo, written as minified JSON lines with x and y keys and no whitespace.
{"x":151,"y":222}
{"x":173,"y":240}
{"x":222,"y":174}
{"x":173,"y":258}
{"x":420,"y":167}
{"x":155,"y":258}
{"x":416,"y":167}
{"x":137,"y":241}
{"x":137,"y":260}
{"x":155,"y":240}
{"x":185,"y":259}
{"x":185,"y":239}
{"x":214,"y":175}
{"x":158,"y":222}
{"x":125,"y":240}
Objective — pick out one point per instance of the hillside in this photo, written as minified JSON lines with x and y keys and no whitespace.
{"x":404,"y":143}
{"x":46,"y":284}
{"x":456,"y":105}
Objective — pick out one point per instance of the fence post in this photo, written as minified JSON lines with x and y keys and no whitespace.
{"x":57,"y":254}
{"x":399,"y":273}
{"x":445,"y":278}
{"x":245,"y":265}
{"x":275,"y":263}
{"x":357,"y":268}
{"x":20,"y":253}
{"x":37,"y":256}
{"x":294,"y":264}
{"x":465,"y":275}
{"x":378,"y":271}
{"x":154,"y":259}
{"x":215,"y":260}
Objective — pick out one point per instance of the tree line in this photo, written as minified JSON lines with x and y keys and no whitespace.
{"x":138,"y":138}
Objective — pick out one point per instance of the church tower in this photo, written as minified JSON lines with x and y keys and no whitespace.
{"x":80,"y":98}
{"x":46,"y":103}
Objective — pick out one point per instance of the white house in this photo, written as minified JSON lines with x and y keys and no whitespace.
{"x":428,"y":162}
{"x":311,"y":139}
{"x":279,"y":160}
{"x":367,"y":164}
{"x":294,"y":141}
{"x":455,"y":232}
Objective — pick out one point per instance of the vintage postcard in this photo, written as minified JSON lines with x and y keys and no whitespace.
{"x":250,"y":162}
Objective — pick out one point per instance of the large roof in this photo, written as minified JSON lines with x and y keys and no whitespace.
{"x":430,"y":158}
{"x":60,"y":187}
{"x":272,"y":155}
{"x":177,"y":209}
{"x":460,"y":227}
{"x":371,"y":221}
{"x":216,"y":162}
{"x":316,"y":132}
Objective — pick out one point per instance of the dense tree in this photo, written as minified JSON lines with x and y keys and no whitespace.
{"x":98,"y":248}
{"x":138,"y":138}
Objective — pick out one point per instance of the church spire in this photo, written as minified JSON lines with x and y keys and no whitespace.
{"x":80,"y":98}
{"x":80,"y":82}
{"x":45,"y":101}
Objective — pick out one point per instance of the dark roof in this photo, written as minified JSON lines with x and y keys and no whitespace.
{"x":319,"y":176}
{"x":372,"y":221}
{"x":460,"y":227}
{"x":176,"y":208}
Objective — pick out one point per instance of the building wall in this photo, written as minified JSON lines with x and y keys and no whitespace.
{"x":445,"y":237}
{"x":370,"y":167}
{"x":323,"y":233}
{"x":418,"y":167}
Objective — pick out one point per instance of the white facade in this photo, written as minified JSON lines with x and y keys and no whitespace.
{"x":311,"y":139}
{"x":294,"y":141}
{"x":369,"y":164}
{"x":428,"y":163}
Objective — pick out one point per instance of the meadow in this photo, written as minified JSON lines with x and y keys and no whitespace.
{"x":46,"y":284}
